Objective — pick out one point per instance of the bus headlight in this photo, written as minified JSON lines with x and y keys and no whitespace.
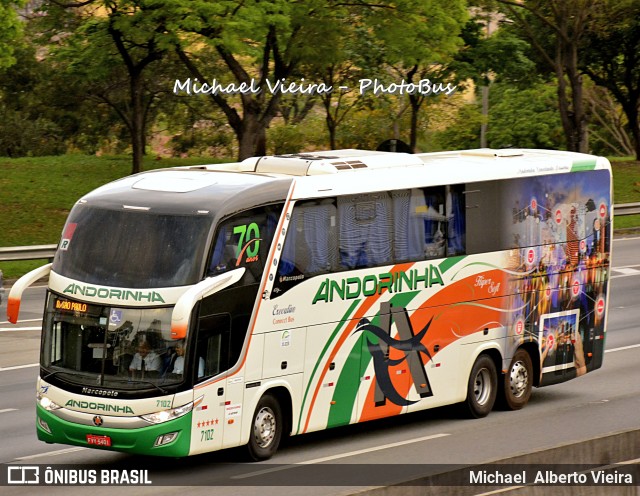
{"x":166,"y":415}
{"x":46,"y":403}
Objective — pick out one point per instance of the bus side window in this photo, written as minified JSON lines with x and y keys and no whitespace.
{"x":243,"y":240}
{"x":213,"y":343}
{"x":409,"y":229}
{"x":455,"y":211}
{"x":310,"y":245}
{"x":365,"y":230}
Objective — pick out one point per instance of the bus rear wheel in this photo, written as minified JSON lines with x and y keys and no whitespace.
{"x":482,"y":388}
{"x":518,"y":381}
{"x":266,"y":429}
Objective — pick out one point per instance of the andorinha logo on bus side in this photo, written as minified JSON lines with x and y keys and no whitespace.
{"x":113,"y":293}
{"x":394,"y":282}
{"x":90,"y":405}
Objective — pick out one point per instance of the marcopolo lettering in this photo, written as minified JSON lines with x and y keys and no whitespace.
{"x":394,"y":282}
{"x":90,"y":405}
{"x":114,"y":294}
{"x":99,"y":392}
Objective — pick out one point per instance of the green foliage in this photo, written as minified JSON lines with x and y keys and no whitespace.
{"x":463,"y":132}
{"x":524,"y":118}
{"x":520,"y":118}
{"x":502,"y":55}
{"x":10,"y":31}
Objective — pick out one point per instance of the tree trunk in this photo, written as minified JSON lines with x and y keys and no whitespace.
{"x":570,"y":103}
{"x":251,"y":136}
{"x":415,"y":108}
{"x":631,"y":110}
{"x":137,"y":123}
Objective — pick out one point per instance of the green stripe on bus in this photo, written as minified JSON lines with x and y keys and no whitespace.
{"x":583,"y":165}
{"x":345,"y":395}
{"x":342,"y":322}
{"x":447,"y":263}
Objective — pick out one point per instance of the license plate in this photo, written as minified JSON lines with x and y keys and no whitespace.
{"x":98,"y":440}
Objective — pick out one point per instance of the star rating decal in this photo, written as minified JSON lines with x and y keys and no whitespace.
{"x":207,"y":423}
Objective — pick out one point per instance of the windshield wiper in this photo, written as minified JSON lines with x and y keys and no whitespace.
{"x":128,"y":381}
{"x":56,"y":372}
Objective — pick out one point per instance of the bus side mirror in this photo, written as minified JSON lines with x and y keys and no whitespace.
{"x":184,"y":305}
{"x":15,"y":295}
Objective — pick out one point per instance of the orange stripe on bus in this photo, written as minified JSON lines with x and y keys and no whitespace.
{"x":252,"y":324}
{"x":366,"y":305}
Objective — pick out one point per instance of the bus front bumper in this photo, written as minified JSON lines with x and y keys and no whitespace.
{"x":144,"y":441}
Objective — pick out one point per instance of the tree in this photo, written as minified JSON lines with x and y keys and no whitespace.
{"x":10,"y":30}
{"x":534,"y":123}
{"x":608,"y":133}
{"x":266,"y":43}
{"x":114,"y":43}
{"x":425,"y":54}
{"x":612,"y":57}
{"x":259,"y":45}
{"x":557,"y":29}
{"x":491,"y":53}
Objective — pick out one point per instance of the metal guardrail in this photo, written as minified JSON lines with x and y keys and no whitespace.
{"x":626,"y":209}
{"x":37,"y":252}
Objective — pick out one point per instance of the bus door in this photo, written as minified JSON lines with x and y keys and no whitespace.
{"x":210,"y":360}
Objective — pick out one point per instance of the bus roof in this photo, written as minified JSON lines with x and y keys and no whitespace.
{"x":335,"y":172}
{"x":227,"y":188}
{"x":190,"y":190}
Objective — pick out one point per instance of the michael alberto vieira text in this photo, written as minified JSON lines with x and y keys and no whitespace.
{"x":422,"y":87}
{"x":591,"y":477}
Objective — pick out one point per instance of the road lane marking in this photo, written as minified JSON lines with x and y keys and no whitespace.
{"x":20,"y":321}
{"x":16,"y":329}
{"x":51,"y":453}
{"x":624,"y":271}
{"x":7,"y":410}
{"x":16,"y":367}
{"x":341,"y":455}
{"x":623,"y":348}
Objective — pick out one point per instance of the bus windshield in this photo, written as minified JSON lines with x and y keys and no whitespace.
{"x":120,"y":348}
{"x":132,"y":248}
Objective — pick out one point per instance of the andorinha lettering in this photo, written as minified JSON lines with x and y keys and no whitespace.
{"x":394,"y":282}
{"x":90,"y":405}
{"x":114,"y":294}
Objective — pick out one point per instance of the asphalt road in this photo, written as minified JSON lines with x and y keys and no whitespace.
{"x":600,"y":403}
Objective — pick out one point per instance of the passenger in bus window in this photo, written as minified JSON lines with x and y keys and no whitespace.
{"x":145,"y":360}
{"x":177,"y":361}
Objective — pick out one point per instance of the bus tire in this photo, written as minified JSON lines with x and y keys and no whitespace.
{"x":482,"y":388}
{"x":517,"y":382}
{"x":266,"y":429}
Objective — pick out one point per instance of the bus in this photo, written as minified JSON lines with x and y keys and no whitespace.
{"x":198,"y":308}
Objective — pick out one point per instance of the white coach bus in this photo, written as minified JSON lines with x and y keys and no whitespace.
{"x":198,"y":308}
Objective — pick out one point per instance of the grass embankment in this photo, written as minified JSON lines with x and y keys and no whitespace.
{"x":36,"y":194}
{"x":626,"y":189}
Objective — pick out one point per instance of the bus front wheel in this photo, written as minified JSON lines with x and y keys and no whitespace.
{"x":266,"y":429}
{"x":518,"y":381}
{"x":482,"y":388}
